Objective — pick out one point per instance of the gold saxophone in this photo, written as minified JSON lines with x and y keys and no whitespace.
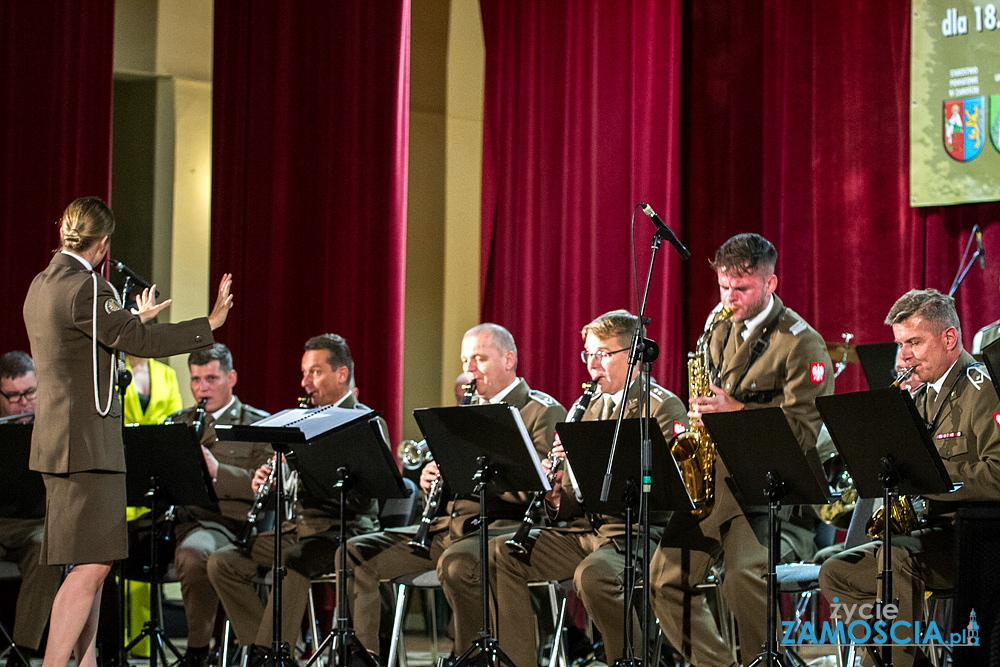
{"x":693,"y":449}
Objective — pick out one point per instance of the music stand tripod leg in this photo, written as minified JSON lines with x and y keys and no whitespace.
{"x":769,"y":655}
{"x":341,"y":638}
{"x":485,"y":651}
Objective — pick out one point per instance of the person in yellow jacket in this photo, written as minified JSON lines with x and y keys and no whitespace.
{"x":151,"y":397}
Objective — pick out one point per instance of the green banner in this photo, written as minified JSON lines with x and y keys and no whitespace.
{"x":955,"y":102}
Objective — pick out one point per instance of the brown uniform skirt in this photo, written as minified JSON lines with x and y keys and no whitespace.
{"x":84,"y":518}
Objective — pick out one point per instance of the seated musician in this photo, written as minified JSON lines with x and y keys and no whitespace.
{"x":200,"y":532}
{"x":489,"y":358}
{"x":959,"y":404}
{"x":309,"y":541}
{"x":21,"y":537}
{"x":584,"y":546}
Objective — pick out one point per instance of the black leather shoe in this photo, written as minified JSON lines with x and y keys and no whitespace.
{"x":195,"y":657}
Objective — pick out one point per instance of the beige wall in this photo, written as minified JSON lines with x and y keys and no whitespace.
{"x":442,"y":246}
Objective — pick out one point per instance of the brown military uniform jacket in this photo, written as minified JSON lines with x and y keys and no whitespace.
{"x":671,"y":416}
{"x":964,"y":421}
{"x":237,"y":463}
{"x":793,"y":369}
{"x":70,"y":435}
{"x":540,"y":414}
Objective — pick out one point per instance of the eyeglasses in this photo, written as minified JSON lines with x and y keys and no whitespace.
{"x":600,"y":355}
{"x":18,"y":395}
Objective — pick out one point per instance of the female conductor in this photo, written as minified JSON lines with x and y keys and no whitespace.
{"x":76,"y":324}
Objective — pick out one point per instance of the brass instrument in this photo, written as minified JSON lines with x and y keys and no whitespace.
{"x":261,"y":498}
{"x":519,"y":541}
{"x":421,"y":541}
{"x":693,"y":449}
{"x":414,"y":455}
{"x":906,"y":513}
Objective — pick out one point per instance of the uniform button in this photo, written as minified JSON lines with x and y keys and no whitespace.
{"x":753,"y":385}
{"x":197,"y":338}
{"x":727,"y":385}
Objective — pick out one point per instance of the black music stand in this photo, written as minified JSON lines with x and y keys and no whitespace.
{"x":768,"y":468}
{"x":878,"y":361}
{"x":887,"y":447}
{"x":315,"y":440}
{"x":165,"y":465}
{"x":991,"y":357}
{"x":474,"y":447}
{"x":588,"y":446}
{"x":22,"y":492}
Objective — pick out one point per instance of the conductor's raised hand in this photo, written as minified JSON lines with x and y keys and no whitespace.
{"x":146,"y":306}
{"x":222,"y":303}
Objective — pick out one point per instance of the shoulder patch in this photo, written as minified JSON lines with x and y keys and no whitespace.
{"x":256,"y":412}
{"x":977,"y":376}
{"x":798,"y":327}
{"x":542,"y":398}
{"x":111,"y":305}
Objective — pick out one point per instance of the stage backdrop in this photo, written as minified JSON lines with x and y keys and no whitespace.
{"x":309,"y":189}
{"x":55,"y":132}
{"x":785,"y":118}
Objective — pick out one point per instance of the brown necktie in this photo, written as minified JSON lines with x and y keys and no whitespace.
{"x":609,"y":408}
{"x":929,"y":399}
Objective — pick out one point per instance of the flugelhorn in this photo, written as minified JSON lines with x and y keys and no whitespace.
{"x":519,"y":541}
{"x":263,"y":495}
{"x":421,"y":541}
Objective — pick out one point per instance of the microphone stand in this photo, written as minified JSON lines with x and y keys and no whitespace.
{"x":646,"y":350}
{"x":964,"y":270}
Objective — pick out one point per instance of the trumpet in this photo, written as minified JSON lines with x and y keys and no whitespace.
{"x":263,"y":495}
{"x":414,"y":455}
{"x":519,"y":541}
{"x":421,"y":541}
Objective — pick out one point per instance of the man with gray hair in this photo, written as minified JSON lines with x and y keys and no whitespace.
{"x":21,"y":536}
{"x":200,"y":532}
{"x":489,"y":358}
{"x":959,"y":403}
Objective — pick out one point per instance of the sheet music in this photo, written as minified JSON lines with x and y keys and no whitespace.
{"x":530,"y":446}
{"x":313,"y":421}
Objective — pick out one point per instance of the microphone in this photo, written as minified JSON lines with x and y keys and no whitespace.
{"x":979,"y":249}
{"x":136,"y":278}
{"x":665,"y":232}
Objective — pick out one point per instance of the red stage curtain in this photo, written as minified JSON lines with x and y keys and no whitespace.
{"x":55,"y":130}
{"x":309,"y":189}
{"x":792,"y":122}
{"x":581,"y":122}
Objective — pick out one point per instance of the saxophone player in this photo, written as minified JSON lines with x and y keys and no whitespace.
{"x":960,"y":406}
{"x":584,"y":546}
{"x":489,"y":359}
{"x":764,"y":355}
{"x":200,"y":532}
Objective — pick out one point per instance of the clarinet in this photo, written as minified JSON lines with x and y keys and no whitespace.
{"x":199,"y":417}
{"x":519,"y":542}
{"x":260,"y":499}
{"x":421,"y":541}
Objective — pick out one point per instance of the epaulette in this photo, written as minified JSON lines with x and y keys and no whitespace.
{"x":542,"y":398}
{"x":659,"y":393}
{"x":978,"y":375}
{"x":257,"y":412}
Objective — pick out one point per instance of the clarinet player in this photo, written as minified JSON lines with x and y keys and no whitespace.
{"x":489,"y":361}
{"x":76,"y":325}
{"x":200,"y":531}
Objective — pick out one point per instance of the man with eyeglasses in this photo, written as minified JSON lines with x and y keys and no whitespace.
{"x":21,"y":537}
{"x":581,"y":544}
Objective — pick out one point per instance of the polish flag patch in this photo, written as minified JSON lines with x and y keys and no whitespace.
{"x":996,"y":418}
{"x":680,"y":428}
{"x":817,"y":371}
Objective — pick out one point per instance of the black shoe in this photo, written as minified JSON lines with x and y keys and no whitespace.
{"x":195,"y":657}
